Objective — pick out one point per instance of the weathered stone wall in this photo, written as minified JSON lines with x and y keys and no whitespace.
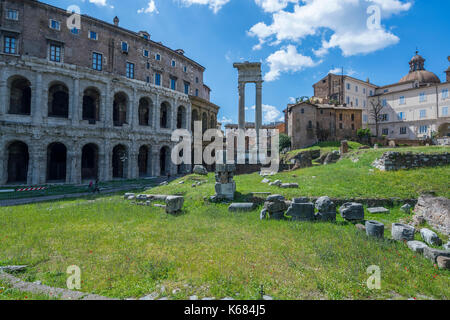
{"x":392,"y":161}
{"x":436,"y":211}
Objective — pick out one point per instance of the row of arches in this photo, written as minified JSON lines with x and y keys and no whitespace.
{"x":56,"y":167}
{"x":58,"y":104}
{"x":210,"y":123}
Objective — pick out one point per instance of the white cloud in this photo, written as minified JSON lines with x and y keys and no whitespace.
{"x":151,"y":8}
{"x":346,"y":19}
{"x":274,"y":5}
{"x":100,"y":3}
{"x":225,"y":120}
{"x":214,"y":5}
{"x":270,"y":113}
{"x":287,"y":60}
{"x":348,"y":72}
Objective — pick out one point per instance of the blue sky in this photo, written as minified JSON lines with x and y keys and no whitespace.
{"x":298,"y":42}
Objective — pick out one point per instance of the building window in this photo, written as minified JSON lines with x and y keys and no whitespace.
{"x":357,"y":102}
{"x":97,"y":61}
{"x":403,"y":130}
{"x":186,"y":88}
{"x":130,"y":70}
{"x":444,"y":94}
{"x":386,"y":90}
{"x":348,"y":100}
{"x":93,"y":35}
{"x":423,"y":114}
{"x":55,"y":53}
{"x":196,"y":80}
{"x":10,"y":45}
{"x":364,"y":90}
{"x":157,"y":79}
{"x":148,"y":79}
{"x":385,"y":132}
{"x":340,"y":117}
{"x":55,"y":25}
{"x":384,"y":103}
{"x":146,"y":54}
{"x":75,"y":31}
{"x":353,"y":126}
{"x":12,"y":15}
{"x":148,"y":65}
{"x":365,"y":103}
{"x":365,"y":118}
{"x":422,"y":97}
{"x":423,"y":129}
{"x":341,"y":126}
{"x":356,"y":88}
{"x":157,"y":57}
{"x":196,"y":92}
{"x":348,"y":86}
{"x":124,"y":47}
{"x":174,"y":63}
{"x":173,"y":84}
{"x":353,"y":117}
{"x":401,"y":116}
{"x":303,"y":111}
{"x":385,"y":117}
{"x":445,"y":111}
{"x":371,"y":93}
{"x":402,"y":100}
{"x":185,"y":69}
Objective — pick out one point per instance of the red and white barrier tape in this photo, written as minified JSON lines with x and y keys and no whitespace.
{"x":32,"y":189}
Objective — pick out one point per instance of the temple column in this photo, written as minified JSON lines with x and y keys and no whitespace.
{"x":156,"y":113}
{"x":241,"y":105}
{"x":258,"y":112}
{"x":156,"y":172}
{"x":133,"y":162}
{"x":3,"y":168}
{"x":75,"y":101}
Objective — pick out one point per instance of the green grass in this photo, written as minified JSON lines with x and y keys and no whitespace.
{"x":9,"y":293}
{"x":324,"y":147}
{"x":125,"y":250}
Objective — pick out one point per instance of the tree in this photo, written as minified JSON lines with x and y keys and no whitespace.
{"x":285,"y":142}
{"x":376,"y":108}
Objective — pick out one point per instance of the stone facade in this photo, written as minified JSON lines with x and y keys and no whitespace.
{"x":436,"y":211}
{"x":392,"y":161}
{"x":76,"y":106}
{"x":308,"y":123}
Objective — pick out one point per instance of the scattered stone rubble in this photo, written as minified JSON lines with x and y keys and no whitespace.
{"x":392,"y":161}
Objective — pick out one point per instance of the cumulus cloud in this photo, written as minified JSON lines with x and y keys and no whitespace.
{"x":274,"y":5}
{"x":151,"y":8}
{"x":287,"y":60}
{"x":270,"y":113}
{"x":214,"y":5}
{"x":225,"y":120}
{"x":100,"y":3}
{"x":348,"y":72}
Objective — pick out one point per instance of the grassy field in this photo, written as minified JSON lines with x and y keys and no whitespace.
{"x":125,"y":250}
{"x":8,"y":293}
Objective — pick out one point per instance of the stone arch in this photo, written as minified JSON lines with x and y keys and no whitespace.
{"x":18,"y":160}
{"x":120,"y":109}
{"x":58,"y":100}
{"x":204,"y":122}
{"x":165,"y":119}
{"x":145,"y":111}
{"x":19,"y":95}
{"x":89,"y":162}
{"x":144,"y":161}
{"x":91,"y":104}
{"x":181,"y":118}
{"x":164,"y":161}
{"x":213,"y":123}
{"x":56,"y":162}
{"x":120,"y":162}
{"x":194,"y":118}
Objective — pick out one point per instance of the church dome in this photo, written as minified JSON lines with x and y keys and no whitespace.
{"x":418,"y":73}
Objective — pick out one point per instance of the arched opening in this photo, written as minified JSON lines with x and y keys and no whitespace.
{"x":18,"y":158}
{"x":56,"y":162}
{"x":144,"y":112}
{"x":181,"y":118}
{"x":91,"y":105}
{"x":120,"y":162}
{"x":89,"y":162}
{"x":143,"y":162}
{"x":20,"y":96}
{"x":120,"y":107}
{"x":194,"y":118}
{"x":204,"y":122}
{"x":165,"y":115}
{"x":164,"y":161}
{"x":58,"y":101}
{"x":213,"y":122}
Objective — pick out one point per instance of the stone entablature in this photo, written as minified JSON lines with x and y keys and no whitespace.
{"x":392,"y":161}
